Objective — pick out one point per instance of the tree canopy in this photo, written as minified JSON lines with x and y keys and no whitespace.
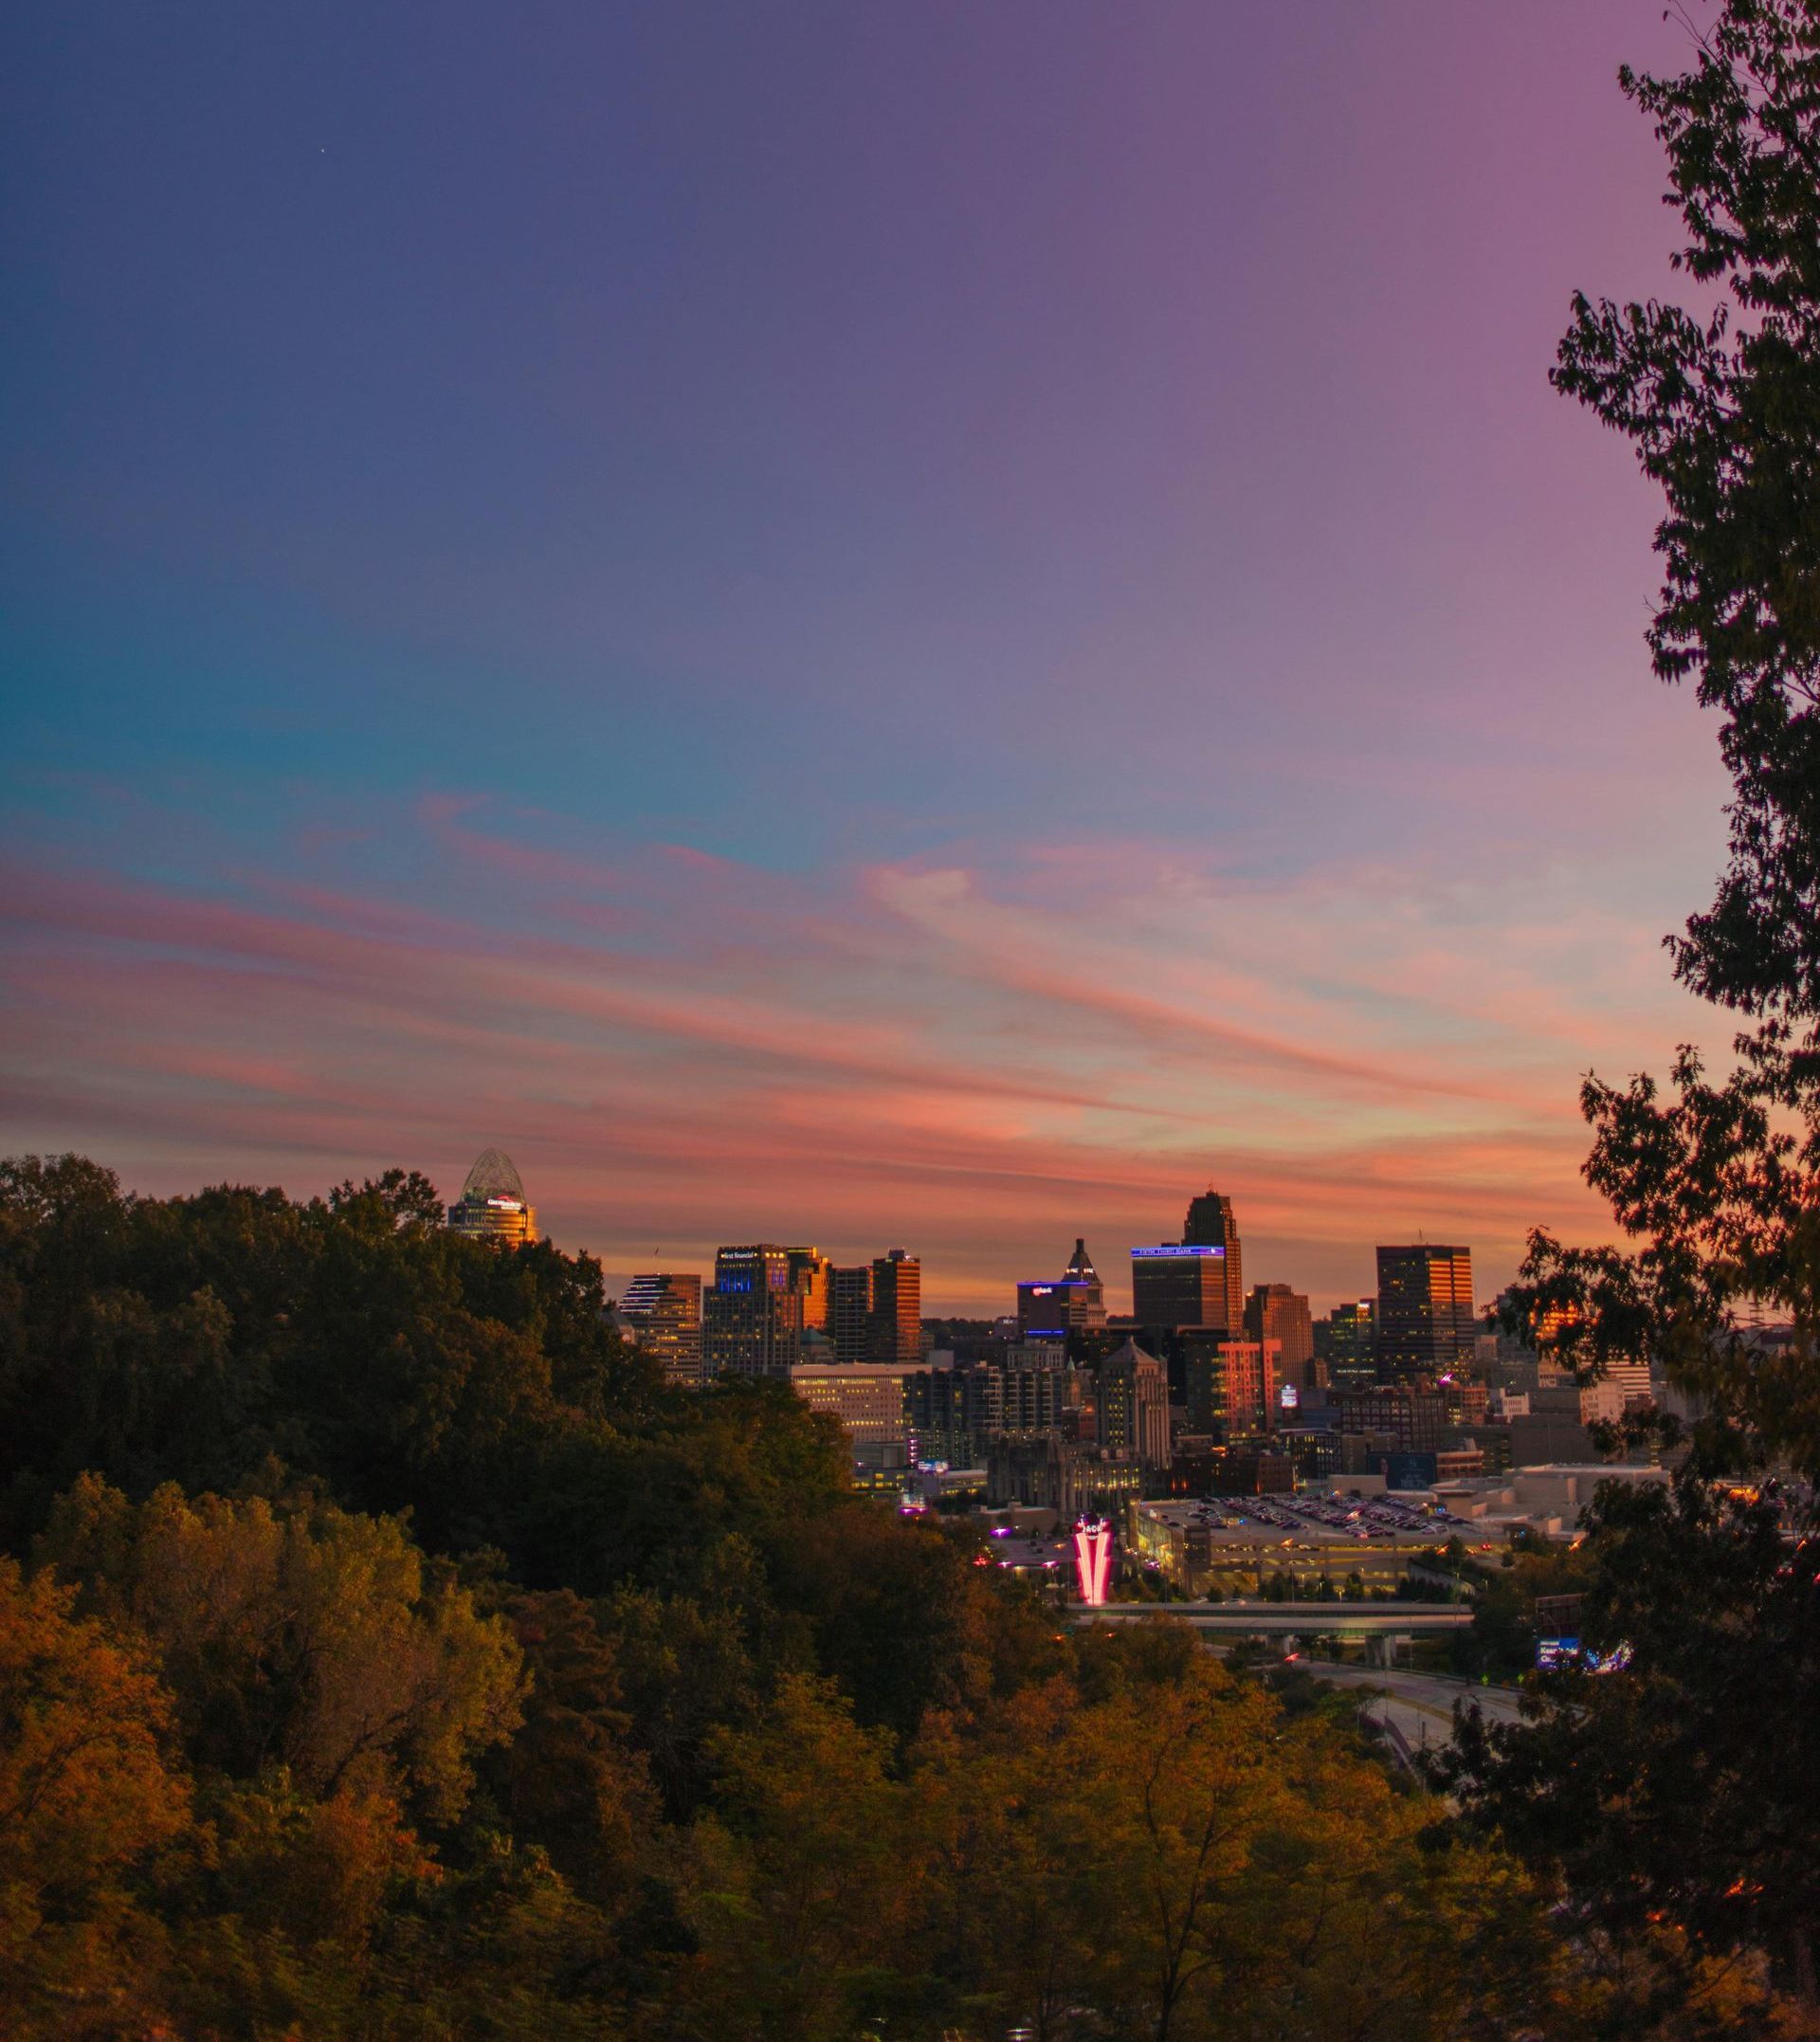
{"x":1671,"y":1802}
{"x":386,"y":1653}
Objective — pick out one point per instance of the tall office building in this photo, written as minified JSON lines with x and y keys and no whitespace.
{"x":663,"y":1315}
{"x":1073,"y":1303}
{"x":1425,"y":1319}
{"x":1346,"y":1340}
{"x":493,"y":1206}
{"x":1183,"y":1285}
{"x":752,"y":1321}
{"x":950,"y":1410}
{"x":1274,"y":1312}
{"x":1134,"y":1404}
{"x":850,"y":1314}
{"x":809,"y":1274}
{"x":1253,"y":1373}
{"x":1211,"y":1222}
{"x":897,"y":1310}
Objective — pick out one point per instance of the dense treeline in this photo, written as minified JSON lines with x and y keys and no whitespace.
{"x":1687,"y":1788}
{"x":385,"y":1653}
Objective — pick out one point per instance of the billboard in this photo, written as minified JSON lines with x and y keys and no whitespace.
{"x":1092,"y":1558}
{"x":1409,"y":1470}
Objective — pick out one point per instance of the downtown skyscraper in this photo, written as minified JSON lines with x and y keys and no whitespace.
{"x":1425,"y":1317}
{"x":662,"y":1313}
{"x":1196,"y":1281}
{"x":752,"y":1321}
{"x":897,"y":1309}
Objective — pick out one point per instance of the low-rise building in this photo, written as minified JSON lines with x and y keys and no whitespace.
{"x":1066,"y":1476}
{"x":1223,"y":1546}
{"x":868,"y":1398}
{"x":1547,"y":1501}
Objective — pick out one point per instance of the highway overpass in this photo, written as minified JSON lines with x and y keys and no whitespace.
{"x":1372,"y":1624}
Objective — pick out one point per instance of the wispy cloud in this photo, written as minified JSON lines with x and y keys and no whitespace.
{"x":977,"y":1060}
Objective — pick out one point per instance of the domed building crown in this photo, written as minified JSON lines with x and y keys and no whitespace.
{"x":494,"y":1177}
{"x":493,"y":1206}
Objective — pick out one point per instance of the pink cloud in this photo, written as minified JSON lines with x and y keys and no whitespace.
{"x":978,"y":1065}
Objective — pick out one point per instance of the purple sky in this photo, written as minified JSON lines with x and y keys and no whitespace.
{"x":911,"y":624}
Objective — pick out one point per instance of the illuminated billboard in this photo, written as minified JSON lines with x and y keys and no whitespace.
{"x":1092,"y":1558}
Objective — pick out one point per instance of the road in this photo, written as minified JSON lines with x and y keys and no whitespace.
{"x":1417,"y":1709}
{"x":1291,"y":1619}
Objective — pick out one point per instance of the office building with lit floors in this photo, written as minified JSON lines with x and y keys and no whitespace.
{"x":1133,"y":1405}
{"x":752,"y":1321}
{"x":1254,"y":1380}
{"x":1274,"y":1312}
{"x":493,"y":1206}
{"x":1346,"y":1346}
{"x":1211,"y":1222}
{"x":869,"y":1400}
{"x":1179,"y":1284}
{"x":1075,"y":1302}
{"x":1425,"y":1319}
{"x":662,"y":1315}
{"x":810,"y":1271}
{"x":897,"y":1311}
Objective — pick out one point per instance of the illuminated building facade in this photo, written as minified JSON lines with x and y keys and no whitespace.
{"x":866,"y":1399}
{"x":1253,"y":1375}
{"x":662,"y":1313}
{"x":1413,"y":1420}
{"x":1134,"y":1404}
{"x":808,"y":1277}
{"x":1073,"y":1303}
{"x":1211,"y":1222}
{"x":1425,"y":1317}
{"x":1347,"y":1339}
{"x":752,"y":1321}
{"x":493,"y":1206}
{"x":1274,"y":1312}
{"x":897,"y":1310}
{"x":1183,"y":1285}
{"x":1093,"y":1560}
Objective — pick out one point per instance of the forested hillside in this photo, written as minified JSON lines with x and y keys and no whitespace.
{"x":385,"y":1653}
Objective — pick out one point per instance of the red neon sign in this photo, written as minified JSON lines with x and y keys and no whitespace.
{"x":1092,"y":1558}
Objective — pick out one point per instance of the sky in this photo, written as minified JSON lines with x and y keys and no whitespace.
{"x":911,"y":624}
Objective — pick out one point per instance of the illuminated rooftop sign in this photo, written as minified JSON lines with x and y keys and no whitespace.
{"x":1092,"y":1558}
{"x":1174,"y":1248}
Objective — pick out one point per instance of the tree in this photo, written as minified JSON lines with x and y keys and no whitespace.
{"x":1725,"y":413}
{"x":1625,"y":1785}
{"x":298,"y":1635}
{"x":570,"y":1780}
{"x":801,"y":1889}
{"x":1724,"y":1185}
{"x":88,"y":1795}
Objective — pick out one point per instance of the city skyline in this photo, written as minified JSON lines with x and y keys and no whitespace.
{"x":818,"y":1278}
{"x":891,"y":633}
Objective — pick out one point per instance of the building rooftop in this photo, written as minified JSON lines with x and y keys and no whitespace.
{"x":1308,"y":1520}
{"x":494,"y":1175}
{"x":850,"y":1371}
